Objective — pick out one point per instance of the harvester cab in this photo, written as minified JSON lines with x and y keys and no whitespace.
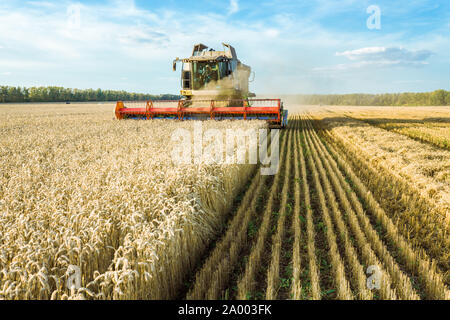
{"x":210,"y":74}
{"x":214,"y":85}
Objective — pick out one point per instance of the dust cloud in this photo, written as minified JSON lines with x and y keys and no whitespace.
{"x":293,"y":103}
{"x":223,"y":89}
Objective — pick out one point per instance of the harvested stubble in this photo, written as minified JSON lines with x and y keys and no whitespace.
{"x":246,"y":283}
{"x":296,"y":288}
{"x":356,"y":269}
{"x":426,"y":124}
{"x":273,"y":272}
{"x":343,"y":287}
{"x":336,"y":222}
{"x":416,"y":261}
{"x":366,"y":239}
{"x":422,"y":217}
{"x":209,"y":281}
{"x":77,"y":188}
{"x":409,"y":179}
{"x":424,"y":167}
{"x":312,"y":259}
{"x":413,"y":260}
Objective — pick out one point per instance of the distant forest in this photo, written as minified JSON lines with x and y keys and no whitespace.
{"x":435,"y":98}
{"x":59,"y":94}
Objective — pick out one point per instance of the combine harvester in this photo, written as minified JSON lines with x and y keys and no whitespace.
{"x":215,"y":85}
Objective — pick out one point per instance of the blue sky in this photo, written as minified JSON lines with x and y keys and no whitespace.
{"x":313,"y":46}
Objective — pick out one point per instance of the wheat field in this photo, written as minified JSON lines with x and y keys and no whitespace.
{"x":78,"y":188}
{"x":425,"y":124}
{"x":357,"y":209}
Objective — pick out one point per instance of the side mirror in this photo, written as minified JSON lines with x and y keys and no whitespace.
{"x":175,"y":64}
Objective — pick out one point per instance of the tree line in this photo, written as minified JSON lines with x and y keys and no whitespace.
{"x":60,"y":94}
{"x":435,"y":98}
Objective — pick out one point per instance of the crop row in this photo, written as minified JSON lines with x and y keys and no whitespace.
{"x":320,"y":234}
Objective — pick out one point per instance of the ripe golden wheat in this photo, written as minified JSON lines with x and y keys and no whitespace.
{"x":78,"y":188}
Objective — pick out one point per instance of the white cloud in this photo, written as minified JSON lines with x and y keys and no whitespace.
{"x":234,"y":7}
{"x":376,"y":64}
{"x":7,"y":73}
{"x":354,"y":54}
{"x":272,"y":33}
{"x":23,"y":64}
{"x":42,"y":4}
{"x":391,"y":54}
{"x":379,"y":57}
{"x":118,"y":39}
